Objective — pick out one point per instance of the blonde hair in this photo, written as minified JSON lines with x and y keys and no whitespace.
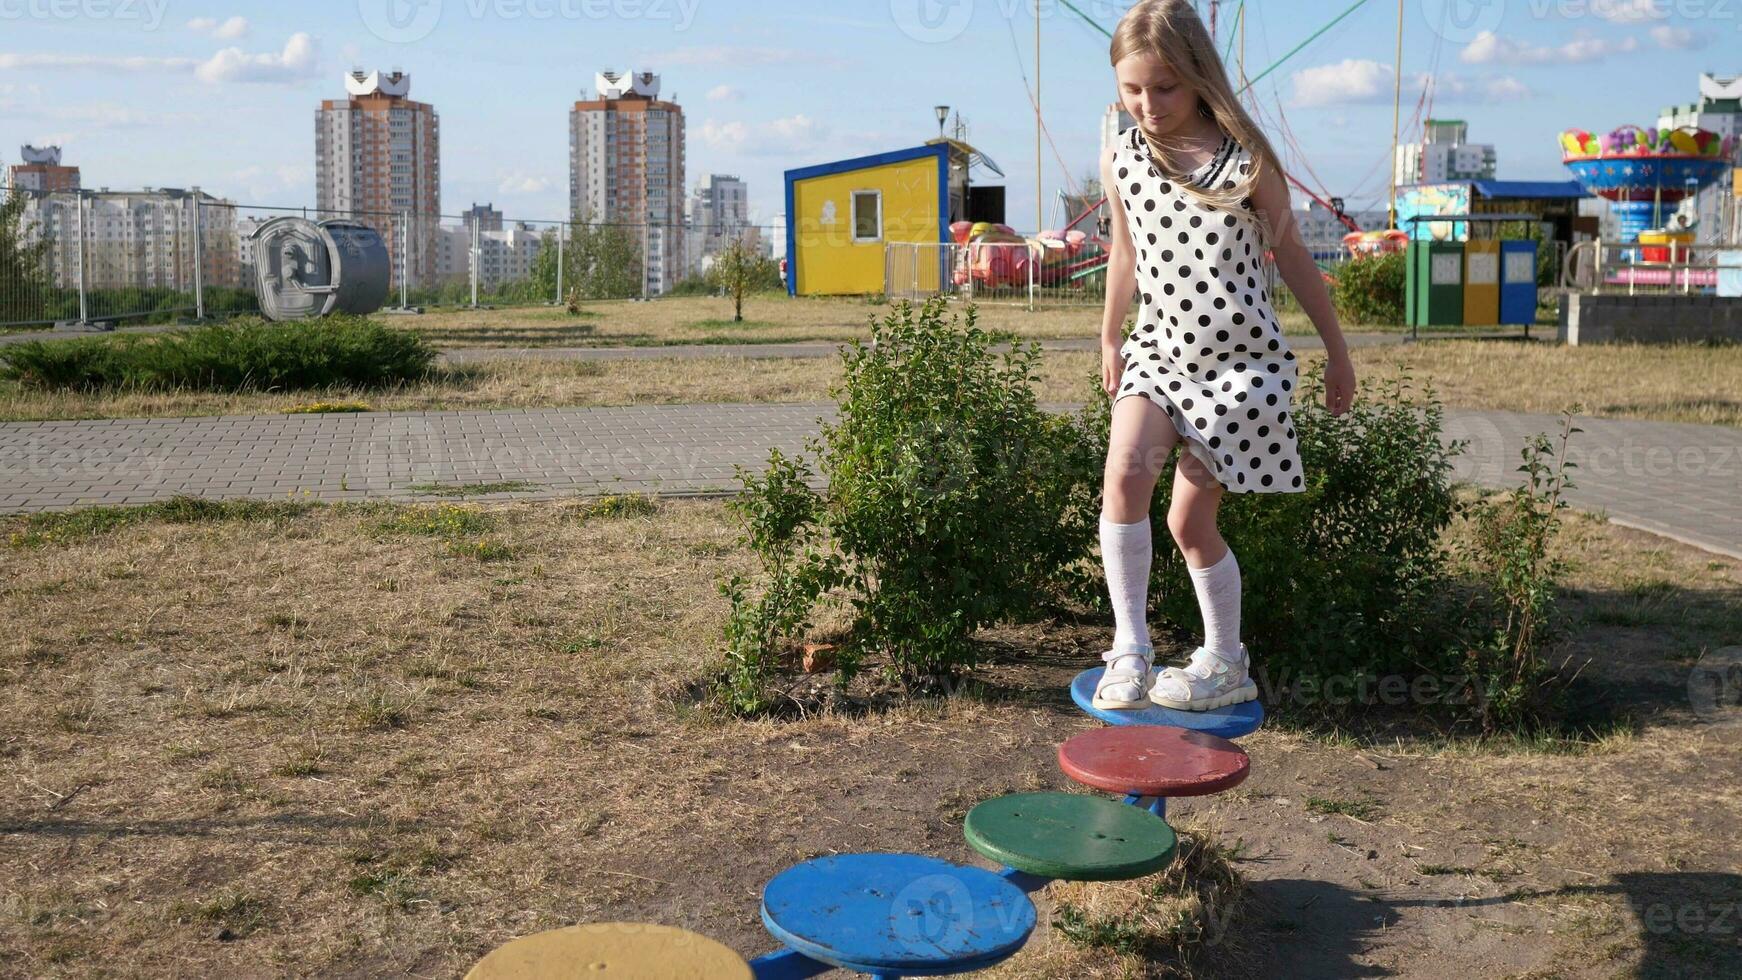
{"x":1172,"y":31}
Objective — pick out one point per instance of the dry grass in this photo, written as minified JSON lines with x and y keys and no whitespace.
{"x":1676,"y":383}
{"x":299,"y":740}
{"x":703,"y":320}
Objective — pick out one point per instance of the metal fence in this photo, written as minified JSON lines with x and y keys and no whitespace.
{"x":169,"y":254}
{"x":1633,"y":269}
{"x":1022,"y":273}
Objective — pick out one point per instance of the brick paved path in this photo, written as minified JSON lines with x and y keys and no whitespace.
{"x":1682,"y":481}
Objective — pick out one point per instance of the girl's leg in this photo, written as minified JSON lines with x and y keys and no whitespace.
{"x":1197,"y":496}
{"x":1139,"y":441}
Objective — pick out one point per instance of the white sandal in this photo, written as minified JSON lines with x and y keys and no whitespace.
{"x":1114,"y":676}
{"x":1208,"y":681}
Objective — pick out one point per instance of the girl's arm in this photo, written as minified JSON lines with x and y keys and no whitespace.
{"x":1121,"y":260}
{"x":1297,"y":268}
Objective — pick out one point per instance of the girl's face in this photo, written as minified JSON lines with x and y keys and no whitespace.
{"x":1153,"y":94}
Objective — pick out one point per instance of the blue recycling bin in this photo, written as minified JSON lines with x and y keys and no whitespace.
{"x":1518,"y":281}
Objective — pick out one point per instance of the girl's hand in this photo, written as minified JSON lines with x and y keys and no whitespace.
{"x":1112,"y":366}
{"x":1339,"y":384}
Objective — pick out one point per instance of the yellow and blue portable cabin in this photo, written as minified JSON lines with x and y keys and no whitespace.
{"x":840,"y":215}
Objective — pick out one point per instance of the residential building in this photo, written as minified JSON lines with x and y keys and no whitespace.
{"x":378,"y":161}
{"x":626,"y":167}
{"x":42,"y":171}
{"x":1444,"y":156}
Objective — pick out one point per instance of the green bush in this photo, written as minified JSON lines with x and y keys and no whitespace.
{"x":1370,"y":289}
{"x":954,"y":502}
{"x":1336,"y":579}
{"x":1515,"y":622}
{"x":247,"y":353}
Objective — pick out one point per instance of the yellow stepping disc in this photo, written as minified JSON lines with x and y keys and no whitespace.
{"x":612,"y":951}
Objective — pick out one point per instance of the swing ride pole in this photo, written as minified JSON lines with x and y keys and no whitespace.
{"x":1039,"y":218}
{"x":1396,"y":106}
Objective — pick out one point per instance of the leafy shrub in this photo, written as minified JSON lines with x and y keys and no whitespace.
{"x":954,"y":502}
{"x":1370,"y":289}
{"x":243,"y":354}
{"x":1516,"y":622}
{"x":1335,"y":579}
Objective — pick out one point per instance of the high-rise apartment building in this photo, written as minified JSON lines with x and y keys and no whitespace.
{"x":1444,"y":156}
{"x":1714,"y":210}
{"x":42,"y":172}
{"x":142,"y":239}
{"x":378,"y":160}
{"x":626,"y":166}
{"x":719,"y":213}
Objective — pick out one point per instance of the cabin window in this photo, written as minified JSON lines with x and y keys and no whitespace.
{"x":867,"y":216}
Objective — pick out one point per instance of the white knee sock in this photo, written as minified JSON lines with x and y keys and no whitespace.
{"x":1126,"y":551}
{"x":1218,"y":588}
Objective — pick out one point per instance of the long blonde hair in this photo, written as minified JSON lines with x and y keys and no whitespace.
{"x":1172,"y":31}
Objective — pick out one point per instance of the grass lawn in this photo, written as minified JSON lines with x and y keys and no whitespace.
{"x":365,"y":740}
{"x":1677,"y":383}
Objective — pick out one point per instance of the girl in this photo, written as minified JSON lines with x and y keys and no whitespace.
{"x":1197,"y":199}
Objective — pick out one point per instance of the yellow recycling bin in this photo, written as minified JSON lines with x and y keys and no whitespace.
{"x":1481,"y":283}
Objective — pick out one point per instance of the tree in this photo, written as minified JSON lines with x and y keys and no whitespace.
{"x":22,"y":262}
{"x":601,"y":262}
{"x":738,"y":269}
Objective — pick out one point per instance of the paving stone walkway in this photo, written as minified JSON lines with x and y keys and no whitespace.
{"x":1681,"y":481}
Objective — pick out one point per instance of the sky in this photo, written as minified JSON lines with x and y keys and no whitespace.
{"x":222,"y":94}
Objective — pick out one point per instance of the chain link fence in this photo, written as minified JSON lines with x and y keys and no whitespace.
{"x":166,"y":255}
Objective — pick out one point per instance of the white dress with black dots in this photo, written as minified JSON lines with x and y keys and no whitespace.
{"x":1206,"y":345}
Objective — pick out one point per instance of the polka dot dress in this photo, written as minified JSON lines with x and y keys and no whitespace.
{"x":1206,"y":346}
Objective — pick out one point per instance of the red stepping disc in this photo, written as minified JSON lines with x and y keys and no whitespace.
{"x":1153,"y":760}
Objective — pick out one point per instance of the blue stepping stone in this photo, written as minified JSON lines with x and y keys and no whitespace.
{"x":897,"y":914}
{"x":1231,"y":721}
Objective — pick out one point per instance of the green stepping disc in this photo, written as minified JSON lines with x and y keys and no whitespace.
{"x":1070,"y":835}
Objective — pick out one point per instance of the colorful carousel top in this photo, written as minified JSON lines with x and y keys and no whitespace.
{"x":1636,"y":164}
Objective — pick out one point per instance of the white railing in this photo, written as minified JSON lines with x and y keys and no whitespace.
{"x":1633,"y":269}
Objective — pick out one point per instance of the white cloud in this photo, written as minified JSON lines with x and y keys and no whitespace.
{"x":1630,"y":11}
{"x":1491,"y":48}
{"x":1350,"y":80}
{"x":225,"y":30}
{"x":1357,"y":81}
{"x":132,"y":63}
{"x":738,"y":56}
{"x":1502,"y":88}
{"x":519,"y":183}
{"x":724,"y":93}
{"x":296,"y":62}
{"x":264,"y":184}
{"x":1676,"y":38}
{"x":792,"y":134}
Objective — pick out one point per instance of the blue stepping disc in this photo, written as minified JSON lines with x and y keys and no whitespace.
{"x":1231,"y":721}
{"x":905,"y":914}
